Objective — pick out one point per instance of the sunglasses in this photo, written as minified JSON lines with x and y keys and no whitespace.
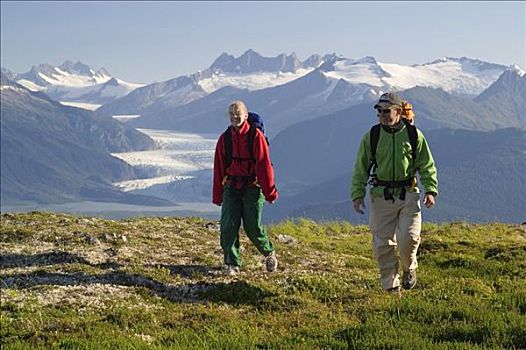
{"x":383,"y":111}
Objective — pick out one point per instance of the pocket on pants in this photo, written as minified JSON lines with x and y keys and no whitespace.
{"x":414,"y":201}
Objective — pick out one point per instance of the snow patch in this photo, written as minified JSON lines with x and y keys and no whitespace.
{"x":30,"y":85}
{"x":521,"y":72}
{"x":256,"y":81}
{"x":13,"y":88}
{"x":88,"y":106}
{"x":180,"y":169}
{"x":126,"y":117}
{"x":457,"y":76}
{"x":356,"y":71}
{"x":141,"y":184}
{"x":123,"y":88}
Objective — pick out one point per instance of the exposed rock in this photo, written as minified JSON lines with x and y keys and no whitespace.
{"x":213,"y":226}
{"x":287,"y":239}
{"x":92,"y":240}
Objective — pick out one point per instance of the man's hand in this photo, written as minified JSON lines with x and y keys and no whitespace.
{"x":429,"y":200}
{"x":218,"y":204}
{"x":271,"y":202}
{"x":359,"y":205}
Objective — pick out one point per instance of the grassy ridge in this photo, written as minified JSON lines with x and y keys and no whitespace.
{"x":74,"y":283}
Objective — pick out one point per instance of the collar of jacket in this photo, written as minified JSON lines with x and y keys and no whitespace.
{"x":395,"y":128}
{"x":243,"y":129}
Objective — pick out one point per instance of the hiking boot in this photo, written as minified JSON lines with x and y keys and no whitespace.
{"x":394,"y":290}
{"x":271,"y":262}
{"x":230,"y":270}
{"x":409,"y":279}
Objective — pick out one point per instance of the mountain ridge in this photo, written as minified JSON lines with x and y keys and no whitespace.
{"x":73,"y":82}
{"x":53,"y":153}
{"x":350,"y":82}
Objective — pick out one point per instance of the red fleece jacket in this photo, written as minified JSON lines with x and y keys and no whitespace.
{"x":262,"y":168}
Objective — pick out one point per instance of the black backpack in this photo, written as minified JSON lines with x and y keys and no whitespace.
{"x":374,"y":137}
{"x":255,"y":121}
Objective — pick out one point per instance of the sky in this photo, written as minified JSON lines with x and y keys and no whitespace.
{"x":143,"y":42}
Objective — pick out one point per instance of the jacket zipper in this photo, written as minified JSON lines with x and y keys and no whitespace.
{"x":237,"y":144}
{"x":394,"y":155}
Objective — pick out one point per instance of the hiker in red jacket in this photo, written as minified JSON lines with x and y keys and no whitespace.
{"x":243,"y":180}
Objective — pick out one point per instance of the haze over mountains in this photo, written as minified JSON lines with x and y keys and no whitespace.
{"x":73,"y":83}
{"x":287,"y":91}
{"x":481,"y":173}
{"x":54,"y":154}
{"x":315,"y":113}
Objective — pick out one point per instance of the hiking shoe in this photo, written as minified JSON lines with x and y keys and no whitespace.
{"x":394,"y":290}
{"x":409,"y":279}
{"x":271,"y":262}
{"x":230,"y":270}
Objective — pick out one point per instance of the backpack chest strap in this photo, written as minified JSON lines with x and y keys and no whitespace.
{"x":228,"y":146}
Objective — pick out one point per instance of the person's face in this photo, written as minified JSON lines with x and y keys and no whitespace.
{"x":237,"y":118}
{"x":389,"y":115}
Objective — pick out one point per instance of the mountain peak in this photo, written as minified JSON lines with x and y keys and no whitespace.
{"x":4,"y":78}
{"x":112,"y":82}
{"x":103,"y":71}
{"x":251,"y":62}
{"x":467,"y":63}
{"x":8,"y":74}
{"x":249,"y":57}
{"x":329,"y":60}
{"x":76,"y":68}
{"x":250,"y":53}
{"x":518,"y":70}
{"x":313,"y":61}
{"x":43,"y":68}
{"x":367,"y":60}
{"x":223,"y":60}
{"x":510,"y":77}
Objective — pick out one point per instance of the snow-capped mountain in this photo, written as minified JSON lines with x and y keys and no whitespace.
{"x":97,"y":94}
{"x":8,"y":74}
{"x":464,"y":76}
{"x":52,"y":153}
{"x":249,"y":71}
{"x":252,"y":62}
{"x":68,"y":74}
{"x":254,"y":72}
{"x":326,"y":83}
{"x":173,"y":92}
{"x":304,"y":98}
{"x":337,"y":83}
{"x":75,"y":83}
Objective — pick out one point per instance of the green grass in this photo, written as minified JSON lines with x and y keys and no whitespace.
{"x":74,"y":283}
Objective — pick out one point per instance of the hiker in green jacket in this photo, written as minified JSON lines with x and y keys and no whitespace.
{"x":391,"y":154}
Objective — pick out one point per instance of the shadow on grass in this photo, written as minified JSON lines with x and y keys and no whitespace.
{"x":191,"y":271}
{"x":51,"y":258}
{"x":235,"y":292}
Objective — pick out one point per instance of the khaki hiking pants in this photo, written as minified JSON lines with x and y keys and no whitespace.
{"x":395,"y":224}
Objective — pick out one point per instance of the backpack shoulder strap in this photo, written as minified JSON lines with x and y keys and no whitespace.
{"x":251,"y":137}
{"x":374,"y":136}
{"x":413,"y":138}
{"x":227,"y":140}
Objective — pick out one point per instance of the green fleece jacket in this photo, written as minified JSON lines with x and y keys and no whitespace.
{"x":395,"y":163}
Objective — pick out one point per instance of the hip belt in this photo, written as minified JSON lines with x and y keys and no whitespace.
{"x":411,"y":182}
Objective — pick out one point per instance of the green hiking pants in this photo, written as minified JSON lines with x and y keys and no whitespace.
{"x":244,"y":204}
